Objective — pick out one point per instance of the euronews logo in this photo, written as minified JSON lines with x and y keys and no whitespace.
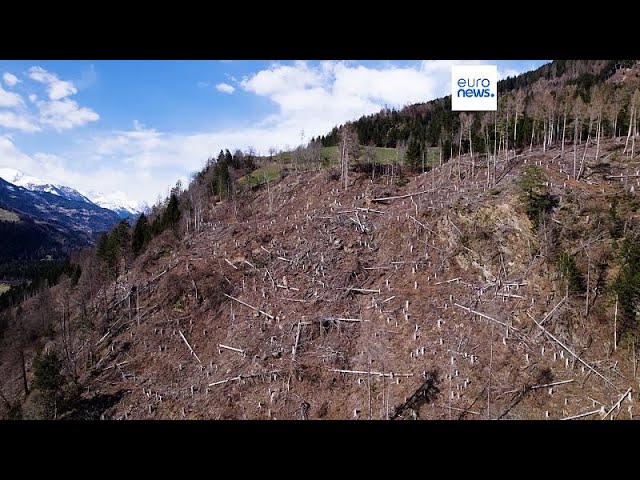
{"x":474,"y":88}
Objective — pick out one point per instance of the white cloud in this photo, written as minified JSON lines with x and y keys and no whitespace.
{"x":9,"y":99}
{"x":17,"y":122}
{"x":202,"y":84}
{"x":12,"y":157}
{"x":280,"y":78}
{"x":10,"y":79}
{"x":143,"y":161}
{"x":33,"y":97}
{"x":65,"y":114}
{"x":57,"y":88}
{"x":225,"y":88}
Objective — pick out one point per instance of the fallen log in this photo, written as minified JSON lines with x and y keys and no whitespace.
{"x":250,"y":306}
{"x":550,"y":335}
{"x":191,"y":349}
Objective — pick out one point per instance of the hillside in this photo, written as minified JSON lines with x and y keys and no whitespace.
{"x":280,"y":307}
{"x":486,"y":268}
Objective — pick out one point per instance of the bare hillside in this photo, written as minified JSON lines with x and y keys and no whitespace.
{"x":429,"y":297}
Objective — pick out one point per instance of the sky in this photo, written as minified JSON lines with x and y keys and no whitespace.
{"x":136,"y":127}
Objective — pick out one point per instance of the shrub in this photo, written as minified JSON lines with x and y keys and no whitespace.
{"x":535,"y":197}
{"x":574,"y":278}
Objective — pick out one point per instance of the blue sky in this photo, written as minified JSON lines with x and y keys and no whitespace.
{"x":135,"y":127}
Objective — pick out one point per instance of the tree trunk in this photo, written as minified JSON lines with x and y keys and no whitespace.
{"x":24,"y":373}
{"x":533,"y":129}
{"x":564,"y":127}
{"x":626,"y":144}
{"x":575,"y":152}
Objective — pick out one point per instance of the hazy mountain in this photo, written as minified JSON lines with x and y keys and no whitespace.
{"x":119,"y":203}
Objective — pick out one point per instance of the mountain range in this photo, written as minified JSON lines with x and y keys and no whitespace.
{"x":41,"y":218}
{"x":116,"y":201}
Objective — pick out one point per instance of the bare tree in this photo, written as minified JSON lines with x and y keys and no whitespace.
{"x":578,"y":112}
{"x":567,"y":102}
{"x":631,"y":135}
{"x":518,"y":107}
{"x":348,"y":149}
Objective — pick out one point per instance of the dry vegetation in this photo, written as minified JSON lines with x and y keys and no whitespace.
{"x":306,"y":300}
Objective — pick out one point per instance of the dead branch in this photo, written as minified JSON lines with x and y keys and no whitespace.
{"x":379,"y":374}
{"x":447,"y":281}
{"x":191,"y":349}
{"x":485,"y":316}
{"x":370,"y":210}
{"x":231,"y":264}
{"x":295,"y":346}
{"x":617,"y":403}
{"x":233,"y":349}
{"x":360,"y":290}
{"x":534,"y":387}
{"x":580,"y":415}
{"x":237,"y":378}
{"x":352,"y":320}
{"x":251,"y":307}
{"x":550,"y":335}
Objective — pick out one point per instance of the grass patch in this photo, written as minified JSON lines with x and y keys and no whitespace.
{"x":7,"y":216}
{"x":262,"y":175}
{"x":4,"y":288}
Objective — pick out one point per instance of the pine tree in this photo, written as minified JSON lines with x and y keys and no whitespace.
{"x":413,"y":155}
{"x":172,"y":213}
{"x":141,"y":235}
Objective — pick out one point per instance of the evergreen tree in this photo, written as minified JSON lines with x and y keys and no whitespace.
{"x":141,"y":235}
{"x":413,"y":156}
{"x":172,"y":213}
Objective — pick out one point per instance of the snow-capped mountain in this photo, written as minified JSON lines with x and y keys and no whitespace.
{"x":119,"y":203}
{"x":16,"y":177}
{"x":116,"y":202}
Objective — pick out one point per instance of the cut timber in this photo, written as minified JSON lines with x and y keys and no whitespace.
{"x":251,"y":307}
{"x":548,"y":315}
{"x":541,"y":386}
{"x":360,"y":290}
{"x":353,"y":320}
{"x":231,"y":264}
{"x":398,"y":197}
{"x":550,"y":335}
{"x":295,"y":345}
{"x":448,"y":281}
{"x":611,"y":177}
{"x":485,"y":316}
{"x":551,"y":384}
{"x":617,"y":403}
{"x":237,"y":378}
{"x":370,"y":210}
{"x":293,"y":300}
{"x":580,"y":415}
{"x":422,"y":224}
{"x":233,"y":349}
{"x":191,"y":349}
{"x":379,"y":374}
